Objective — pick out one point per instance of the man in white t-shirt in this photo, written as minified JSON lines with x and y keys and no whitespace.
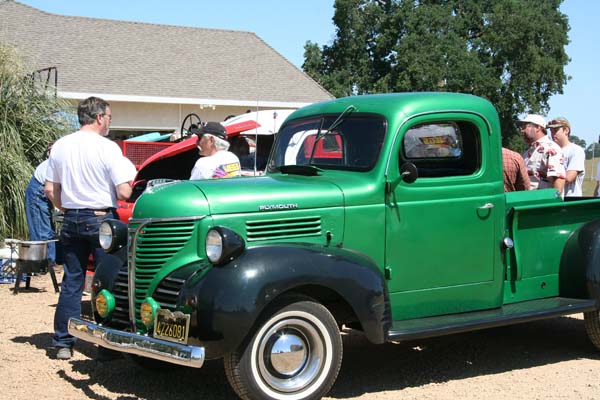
{"x":86,"y":174}
{"x":574,"y":156}
{"x":216,"y":161}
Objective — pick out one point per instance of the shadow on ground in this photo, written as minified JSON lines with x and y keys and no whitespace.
{"x":366,"y":368}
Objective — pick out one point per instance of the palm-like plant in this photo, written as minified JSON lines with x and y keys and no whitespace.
{"x":31,"y":117}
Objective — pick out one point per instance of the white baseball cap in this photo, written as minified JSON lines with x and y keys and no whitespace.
{"x":534,"y":119}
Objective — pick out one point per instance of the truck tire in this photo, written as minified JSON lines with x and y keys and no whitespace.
{"x":592,"y":327}
{"x":295,"y":353}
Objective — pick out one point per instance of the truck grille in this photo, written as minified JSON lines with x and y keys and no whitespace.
{"x":283,"y":228}
{"x":120,"y":317}
{"x":165,"y":294}
{"x":156,"y":243}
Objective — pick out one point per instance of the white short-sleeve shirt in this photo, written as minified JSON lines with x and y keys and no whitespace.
{"x":88,"y":167}
{"x":222,"y":164}
{"x":574,"y":160}
{"x":40,"y":172}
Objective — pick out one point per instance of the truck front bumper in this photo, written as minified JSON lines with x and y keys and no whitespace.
{"x":133,"y":343}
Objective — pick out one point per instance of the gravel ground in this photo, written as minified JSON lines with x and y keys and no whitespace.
{"x":541,"y":360}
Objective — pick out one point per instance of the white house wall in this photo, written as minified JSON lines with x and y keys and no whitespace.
{"x":140,"y":117}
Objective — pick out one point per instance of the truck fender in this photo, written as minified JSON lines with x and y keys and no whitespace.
{"x":106,"y":272}
{"x":230,"y":298}
{"x":580,"y":263}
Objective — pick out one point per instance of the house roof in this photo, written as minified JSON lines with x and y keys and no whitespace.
{"x":133,"y":61}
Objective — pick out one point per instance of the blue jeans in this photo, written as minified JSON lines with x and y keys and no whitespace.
{"x":79,"y":237}
{"x":39,"y":217}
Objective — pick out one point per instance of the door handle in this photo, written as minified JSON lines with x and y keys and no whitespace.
{"x":486,"y":206}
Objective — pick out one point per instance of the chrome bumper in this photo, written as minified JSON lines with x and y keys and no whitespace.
{"x":133,"y":343}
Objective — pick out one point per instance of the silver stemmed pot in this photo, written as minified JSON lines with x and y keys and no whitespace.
{"x":33,"y":250}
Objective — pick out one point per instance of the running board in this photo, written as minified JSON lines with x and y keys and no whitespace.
{"x":506,"y":315}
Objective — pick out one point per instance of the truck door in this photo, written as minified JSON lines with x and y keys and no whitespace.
{"x":443,"y":230}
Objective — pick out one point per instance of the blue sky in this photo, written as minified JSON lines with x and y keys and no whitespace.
{"x":287,"y":25}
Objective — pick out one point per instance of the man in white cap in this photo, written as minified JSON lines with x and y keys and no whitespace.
{"x":216,"y":161}
{"x":574,"y":156}
{"x":543,"y":158}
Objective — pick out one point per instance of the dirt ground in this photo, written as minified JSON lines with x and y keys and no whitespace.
{"x":549,"y":359}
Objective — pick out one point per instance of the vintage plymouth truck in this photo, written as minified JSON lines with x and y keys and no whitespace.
{"x":384,"y":214}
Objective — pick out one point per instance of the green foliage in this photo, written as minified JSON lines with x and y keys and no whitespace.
{"x":30,"y":119}
{"x":508,"y":51}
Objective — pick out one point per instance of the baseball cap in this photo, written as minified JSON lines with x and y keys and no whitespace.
{"x":559,"y":122}
{"x":212,"y":128}
{"x":534,"y":119}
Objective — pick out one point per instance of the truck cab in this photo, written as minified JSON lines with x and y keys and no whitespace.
{"x":384,"y":214}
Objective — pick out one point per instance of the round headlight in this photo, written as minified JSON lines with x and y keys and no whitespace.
{"x":112,"y":235}
{"x":105,"y":235}
{"x":214,"y":245}
{"x":148,"y":311}
{"x":105,"y":303}
{"x":223,"y":245}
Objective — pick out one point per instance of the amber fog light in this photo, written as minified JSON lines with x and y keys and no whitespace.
{"x":105,"y":303}
{"x":148,"y":311}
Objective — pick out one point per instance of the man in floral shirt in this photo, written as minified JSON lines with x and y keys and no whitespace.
{"x":543,"y":158}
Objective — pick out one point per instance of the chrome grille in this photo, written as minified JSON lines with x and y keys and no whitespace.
{"x":283,"y":228}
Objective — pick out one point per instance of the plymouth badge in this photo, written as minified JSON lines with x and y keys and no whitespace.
{"x":278,"y":207}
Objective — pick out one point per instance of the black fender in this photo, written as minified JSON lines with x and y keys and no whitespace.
{"x":580,"y":263}
{"x":107,"y":270}
{"x":230,"y":298}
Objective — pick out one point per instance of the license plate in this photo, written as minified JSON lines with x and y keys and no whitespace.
{"x":173,"y":326}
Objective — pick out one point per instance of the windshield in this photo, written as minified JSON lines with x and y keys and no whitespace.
{"x":353,"y":144}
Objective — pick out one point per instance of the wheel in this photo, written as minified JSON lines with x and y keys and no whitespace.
{"x":188,"y":123}
{"x":295,"y":353}
{"x":592,"y":327}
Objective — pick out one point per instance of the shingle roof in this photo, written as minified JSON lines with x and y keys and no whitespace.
{"x":141,"y":59}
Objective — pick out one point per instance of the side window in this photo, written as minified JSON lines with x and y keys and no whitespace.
{"x":444,"y":148}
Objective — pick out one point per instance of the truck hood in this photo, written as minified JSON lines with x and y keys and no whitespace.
{"x":269,"y":193}
{"x":174,"y":199}
{"x":237,"y":195}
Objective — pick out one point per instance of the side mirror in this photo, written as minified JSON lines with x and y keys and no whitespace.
{"x":409,"y":172}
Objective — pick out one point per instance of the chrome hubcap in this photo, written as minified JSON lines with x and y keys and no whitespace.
{"x":290,"y":355}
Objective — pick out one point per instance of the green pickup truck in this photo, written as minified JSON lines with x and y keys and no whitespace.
{"x":384,"y":214}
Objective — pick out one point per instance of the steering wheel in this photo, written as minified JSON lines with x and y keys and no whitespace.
{"x":190,"y":121}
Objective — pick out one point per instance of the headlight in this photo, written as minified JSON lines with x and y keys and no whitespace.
{"x":223,"y":245}
{"x":148,"y":311}
{"x":112,"y":235}
{"x":105,"y":303}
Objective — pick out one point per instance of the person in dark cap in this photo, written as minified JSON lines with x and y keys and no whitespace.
{"x":215,"y":160}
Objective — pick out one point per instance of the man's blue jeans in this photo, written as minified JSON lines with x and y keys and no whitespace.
{"x":39,"y":216}
{"x":79,"y":237}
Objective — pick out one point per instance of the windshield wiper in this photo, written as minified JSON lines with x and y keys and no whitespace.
{"x":338,"y":121}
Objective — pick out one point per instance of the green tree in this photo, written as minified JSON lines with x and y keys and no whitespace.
{"x":30,"y":119}
{"x":511,"y":52}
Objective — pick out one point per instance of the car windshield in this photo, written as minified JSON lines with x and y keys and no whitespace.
{"x":353,"y":144}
